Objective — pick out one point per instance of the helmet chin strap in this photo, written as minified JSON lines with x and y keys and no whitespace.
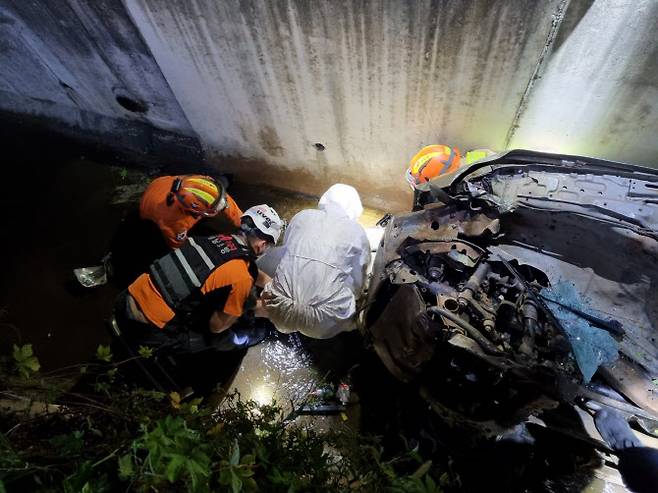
{"x":250,"y":233}
{"x":173,"y":193}
{"x":245,"y":229}
{"x":244,"y":235}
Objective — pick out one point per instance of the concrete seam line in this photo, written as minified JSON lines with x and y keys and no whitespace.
{"x":550,"y":39}
{"x":138,"y":29}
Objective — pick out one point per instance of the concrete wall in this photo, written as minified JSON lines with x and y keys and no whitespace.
{"x":65,"y":63}
{"x":370,"y":81}
{"x":260,"y":82}
{"x":597,"y":94}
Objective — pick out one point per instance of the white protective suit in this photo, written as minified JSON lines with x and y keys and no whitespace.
{"x":322,"y":270}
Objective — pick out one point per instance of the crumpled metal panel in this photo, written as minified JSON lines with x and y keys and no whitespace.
{"x":457,"y":250}
{"x":430,"y":224}
{"x":591,"y":223}
{"x":630,"y":380}
{"x":403,"y":334}
{"x":582,"y":224}
{"x":637,"y":200}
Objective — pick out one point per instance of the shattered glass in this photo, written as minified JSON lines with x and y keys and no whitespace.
{"x":592,"y":346}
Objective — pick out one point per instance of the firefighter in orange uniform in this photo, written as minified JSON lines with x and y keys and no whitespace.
{"x":438,"y":160}
{"x":169,"y":208}
{"x":199,"y":288}
{"x":176,"y":203}
{"x":430,"y":162}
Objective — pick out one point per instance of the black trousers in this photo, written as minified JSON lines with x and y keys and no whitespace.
{"x":176,"y":338}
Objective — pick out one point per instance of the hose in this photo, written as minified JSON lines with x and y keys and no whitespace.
{"x":486,"y":345}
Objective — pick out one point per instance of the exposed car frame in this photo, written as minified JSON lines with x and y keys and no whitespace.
{"x":483,"y":290}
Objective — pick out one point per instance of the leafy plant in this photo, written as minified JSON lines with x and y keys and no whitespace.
{"x":237,"y":472}
{"x":26,"y":362}
{"x":415,"y":485}
{"x":169,"y":451}
{"x":191,"y":407}
{"x":68,"y":444}
{"x":104,"y":353}
{"x":145,"y":352}
{"x":131,"y":439}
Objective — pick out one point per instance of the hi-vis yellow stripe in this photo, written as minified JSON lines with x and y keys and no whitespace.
{"x":202,"y":181}
{"x":418,"y":165}
{"x":205,"y":196}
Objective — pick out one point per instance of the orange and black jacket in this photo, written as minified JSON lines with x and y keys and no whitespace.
{"x":174,"y":221}
{"x":186,"y":286}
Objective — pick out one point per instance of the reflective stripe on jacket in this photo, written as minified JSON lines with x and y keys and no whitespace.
{"x":179,"y":275}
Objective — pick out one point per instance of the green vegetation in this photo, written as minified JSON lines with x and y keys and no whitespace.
{"x":120,"y":438}
{"x":26,"y":362}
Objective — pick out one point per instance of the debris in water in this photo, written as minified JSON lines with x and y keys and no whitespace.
{"x":91,"y":277}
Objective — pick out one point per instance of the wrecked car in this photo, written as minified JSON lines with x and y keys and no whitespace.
{"x":523,"y":280}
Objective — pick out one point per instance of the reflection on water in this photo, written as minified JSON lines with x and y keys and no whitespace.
{"x":287,"y":368}
{"x":279,"y":369}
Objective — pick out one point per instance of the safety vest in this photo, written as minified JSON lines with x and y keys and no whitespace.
{"x":179,"y":275}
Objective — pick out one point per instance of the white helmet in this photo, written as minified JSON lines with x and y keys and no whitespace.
{"x":266,"y":220}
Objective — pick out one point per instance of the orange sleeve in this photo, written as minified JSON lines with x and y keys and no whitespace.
{"x":232,"y":211}
{"x":235,"y":274}
{"x":236,"y":299}
{"x":175,"y":230}
{"x":150,"y":301}
{"x":173,"y":221}
{"x":154,"y":195}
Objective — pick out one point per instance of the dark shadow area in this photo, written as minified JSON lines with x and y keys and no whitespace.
{"x":129,"y":262}
{"x":554,"y":462}
{"x":60,"y":213}
{"x":57,"y":216}
{"x":639,"y":468}
{"x":538,"y":459}
{"x":335,"y":357}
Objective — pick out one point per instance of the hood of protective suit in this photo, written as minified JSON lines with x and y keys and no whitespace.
{"x":343,"y":197}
